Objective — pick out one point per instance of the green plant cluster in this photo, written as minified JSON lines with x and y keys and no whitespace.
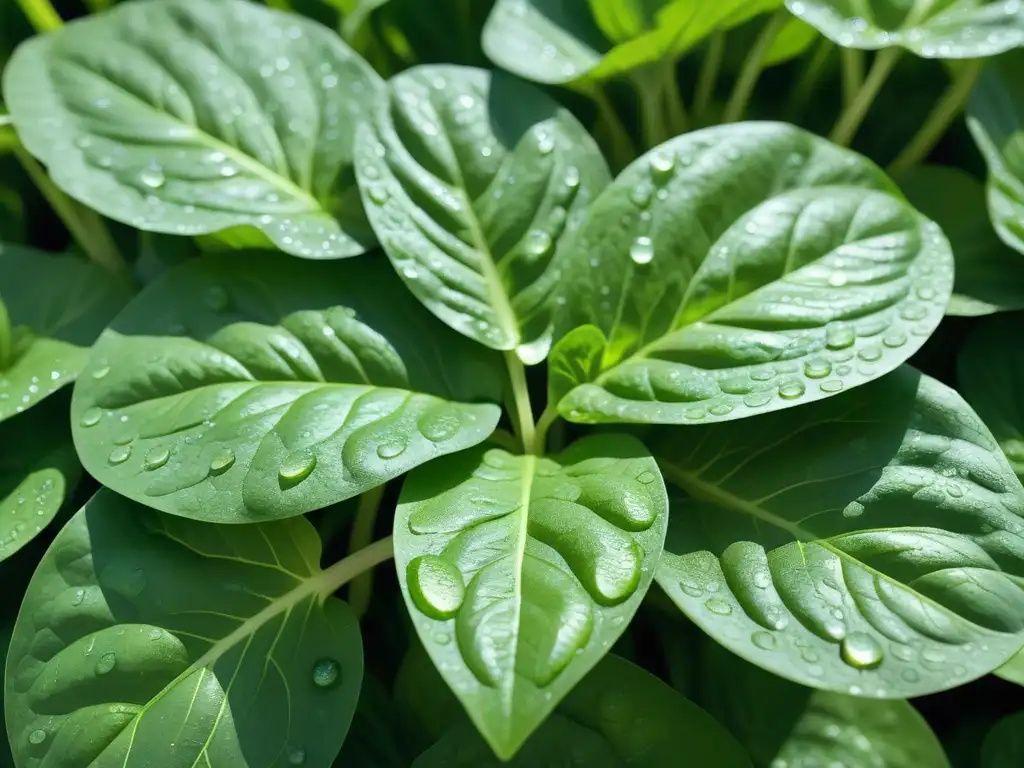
{"x":544,"y":382}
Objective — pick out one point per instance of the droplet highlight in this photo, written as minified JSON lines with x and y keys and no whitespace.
{"x":861,"y":651}
{"x":156,"y":458}
{"x":436,"y":586}
{"x":297,"y":468}
{"x":326,"y":673}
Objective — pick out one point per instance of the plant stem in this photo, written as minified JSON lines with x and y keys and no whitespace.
{"x":362,"y":534}
{"x":620,"y":146}
{"x":707,"y":79}
{"x":944,"y":112}
{"x":851,"y":118}
{"x":97,"y":6}
{"x":41,"y":15}
{"x":853,"y":74}
{"x":673,"y":100}
{"x":85,"y":225}
{"x":522,"y":412}
{"x":812,"y":74}
{"x":649,"y":88}
{"x":505,"y":440}
{"x":549,"y":417}
{"x":336,"y":576}
{"x":752,"y":67}
{"x":6,"y":340}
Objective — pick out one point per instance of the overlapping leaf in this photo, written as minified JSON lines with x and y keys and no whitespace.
{"x":1004,"y":744}
{"x":872,"y":545}
{"x":521,"y":571}
{"x":197,"y":116}
{"x":742,"y":269}
{"x":245,"y":395}
{"x":470,"y":180}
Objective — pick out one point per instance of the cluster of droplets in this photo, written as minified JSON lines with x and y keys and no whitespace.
{"x":37,"y":388}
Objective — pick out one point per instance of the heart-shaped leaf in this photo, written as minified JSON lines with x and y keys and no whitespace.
{"x":38,"y":469}
{"x":989,"y":276}
{"x":241,"y":396}
{"x":619,"y":714}
{"x":743,"y":269}
{"x":868,"y":544}
{"x":56,"y":306}
{"x":196,"y":116}
{"x":470,"y":180}
{"x":144,"y":634}
{"x":995,"y":117}
{"x":781,"y":723}
{"x":521,"y":571}
{"x":964,"y":29}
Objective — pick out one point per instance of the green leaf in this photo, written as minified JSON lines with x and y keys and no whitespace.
{"x":146,"y":635}
{"x":793,"y":40}
{"x":560,"y":41}
{"x":989,"y":277}
{"x":618,"y":715}
{"x":948,"y":29}
{"x":1013,"y":670}
{"x":781,"y":723}
{"x":995,"y":116}
{"x":56,"y":306}
{"x":38,"y":469}
{"x":247,"y":395}
{"x":521,"y":571}
{"x":868,"y":544}
{"x":425,"y":706}
{"x":990,"y":372}
{"x":470,"y":181}
{"x":743,"y":269}
{"x":195,"y":116}
{"x":1004,"y":745}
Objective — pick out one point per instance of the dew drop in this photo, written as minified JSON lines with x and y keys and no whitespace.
{"x":808,"y":655}
{"x":853,"y":509}
{"x":839,"y":336}
{"x":439,"y":427}
{"x":536,"y":244}
{"x":326,"y":673}
{"x":691,"y":588}
{"x":156,"y":458}
{"x":100,"y":372}
{"x":435,"y":585}
{"x":642,"y":250}
{"x":545,"y":142}
{"x":646,"y":477}
{"x":572,"y":177}
{"x":296,"y":755}
{"x":79,"y":597}
{"x":216,"y":298}
{"x":870,"y":354}
{"x":379,"y":194}
{"x":392,"y":448}
{"x":831,"y":386}
{"x":297,"y":467}
{"x":120,"y":454}
{"x":38,"y":736}
{"x":861,"y":651}
{"x":718,"y":607}
{"x":662,"y":166}
{"x":91,"y":417}
{"x":106,"y":663}
{"x":910,"y":675}
{"x":757,"y":399}
{"x":791,"y":390}
{"x":764,"y":640}
{"x":222,"y":461}
{"x":722,"y":409}
{"x":152,"y":177}
{"x":817,"y":368}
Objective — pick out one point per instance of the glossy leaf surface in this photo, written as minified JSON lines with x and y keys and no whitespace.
{"x":1013,"y":670}
{"x":196,"y":116}
{"x":870,"y":545}
{"x":995,"y":116}
{"x":946,"y":29}
{"x":521,"y":571}
{"x":145,"y":634}
{"x":56,"y":306}
{"x":989,"y":276}
{"x":240,"y":396}
{"x":990,"y":373}
{"x":618,"y":715}
{"x":38,"y":469}
{"x":470,"y":181}
{"x":742,"y":269}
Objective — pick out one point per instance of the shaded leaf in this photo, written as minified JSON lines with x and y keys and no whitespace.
{"x":1004,"y":745}
{"x":241,"y":396}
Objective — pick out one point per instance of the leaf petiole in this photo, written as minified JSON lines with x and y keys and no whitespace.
{"x":710,"y":68}
{"x":650,"y":89}
{"x":809,"y":79}
{"x":549,"y":417}
{"x":342,"y":572}
{"x":853,"y":115}
{"x":6,"y":339}
{"x":362,"y":533}
{"x":753,"y":66}
{"x":41,"y":15}
{"x":520,"y":408}
{"x":853,"y":73}
{"x":620,"y":145}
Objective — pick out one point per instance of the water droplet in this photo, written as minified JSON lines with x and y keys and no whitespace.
{"x":758,"y":399}
{"x":439,"y":427}
{"x":817,"y":368}
{"x":808,"y":655}
{"x":718,"y":607}
{"x":870,"y":354}
{"x":910,"y":675}
{"x":839,"y":336}
{"x":646,"y":477}
{"x":392,"y":448}
{"x":572,"y":177}
{"x":222,"y":461}
{"x":545,"y":142}
{"x":326,"y":673}
{"x":764,"y":640}
{"x":216,"y":298}
{"x":663,"y":165}
{"x":722,"y":409}
{"x":536,"y":244}
{"x":435,"y":585}
{"x":297,"y":467}
{"x":853,"y":509}
{"x":641,"y":195}
{"x":156,"y":458}
{"x":91,"y":417}
{"x":296,"y":755}
{"x":861,"y":651}
{"x":831,"y":386}
{"x":120,"y":454}
{"x":152,"y":177}
{"x":38,"y":736}
{"x":894,"y":339}
{"x":791,"y":390}
{"x":106,"y":663}
{"x":100,"y":372}
{"x":642,"y":250}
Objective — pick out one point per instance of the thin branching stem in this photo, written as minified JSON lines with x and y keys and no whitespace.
{"x":851,"y":118}
{"x":752,"y":67}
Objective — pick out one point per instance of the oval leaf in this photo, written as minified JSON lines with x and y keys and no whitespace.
{"x":966,"y":29}
{"x":743,"y":269}
{"x":521,"y":571}
{"x":145,"y":634}
{"x":989,"y":277}
{"x":196,"y":116}
{"x":470,"y":180}
{"x":617,"y":715}
{"x":995,"y":116}
{"x":869,"y":546}
{"x":289,"y":386}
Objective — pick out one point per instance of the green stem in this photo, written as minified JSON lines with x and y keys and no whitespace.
{"x":649,"y":88}
{"x":504,"y":439}
{"x":85,"y":225}
{"x":41,"y":15}
{"x":362,"y":534}
{"x":853,"y":73}
{"x":851,"y":118}
{"x":673,"y":99}
{"x":338,"y":575}
{"x":6,"y":340}
{"x":620,"y":145}
{"x":549,"y":417}
{"x":97,"y":6}
{"x":809,"y":79}
{"x":944,"y":112}
{"x":707,"y":79}
{"x":522,"y":412}
{"x":753,"y":66}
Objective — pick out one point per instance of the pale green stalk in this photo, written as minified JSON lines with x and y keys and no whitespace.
{"x":851,"y":118}
{"x":752,"y":67}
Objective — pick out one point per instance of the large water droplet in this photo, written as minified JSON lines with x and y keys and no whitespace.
{"x":839,"y":336}
{"x":120,"y":454}
{"x":817,"y":368}
{"x":152,"y":177}
{"x":326,"y":673}
{"x":38,"y":736}
{"x":296,"y":468}
{"x":156,"y":458}
{"x":861,"y":651}
{"x":392,"y":448}
{"x":106,"y":663}
{"x":100,"y":372}
{"x":222,"y":461}
{"x":536,"y":244}
{"x":642,"y":250}
{"x":718,"y":607}
{"x":91,"y":417}
{"x":764,"y":640}
{"x":438,"y":427}
{"x":545,"y":142}
{"x":663,"y":164}
{"x":436,"y":586}
{"x":791,"y":390}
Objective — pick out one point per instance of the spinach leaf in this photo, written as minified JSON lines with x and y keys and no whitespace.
{"x":743,"y":269}
{"x":865,"y":547}
{"x":470,"y":181}
{"x":521,"y":571}
{"x":144,"y":634}
{"x":197,"y":116}
{"x":246,"y":396}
